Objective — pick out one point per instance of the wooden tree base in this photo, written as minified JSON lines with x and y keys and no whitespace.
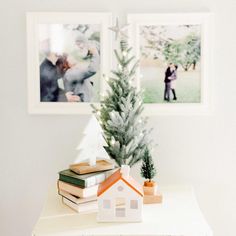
{"x":150,"y":199}
{"x":150,"y":190}
{"x":85,"y":168}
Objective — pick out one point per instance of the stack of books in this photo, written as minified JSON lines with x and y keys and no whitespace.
{"x":79,"y":191}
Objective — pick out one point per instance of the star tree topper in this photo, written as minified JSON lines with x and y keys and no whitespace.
{"x":119,"y":30}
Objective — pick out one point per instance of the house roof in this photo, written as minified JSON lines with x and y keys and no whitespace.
{"x":111,"y":180}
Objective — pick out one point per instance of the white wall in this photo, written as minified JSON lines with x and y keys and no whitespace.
{"x":192,"y":150}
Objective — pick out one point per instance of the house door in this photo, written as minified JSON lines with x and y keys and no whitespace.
{"x":120,"y":210}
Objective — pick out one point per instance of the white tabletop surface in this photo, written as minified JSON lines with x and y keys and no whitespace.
{"x":178,"y":215}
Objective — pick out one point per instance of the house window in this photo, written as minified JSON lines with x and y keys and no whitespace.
{"x":106,"y":204}
{"x":120,"y":212}
{"x":133,"y":204}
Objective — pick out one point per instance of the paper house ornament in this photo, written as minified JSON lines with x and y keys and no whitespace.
{"x":92,"y":145}
{"x":120,"y":198}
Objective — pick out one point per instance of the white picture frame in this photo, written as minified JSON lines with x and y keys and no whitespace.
{"x":35,"y":106}
{"x":205,"y":20}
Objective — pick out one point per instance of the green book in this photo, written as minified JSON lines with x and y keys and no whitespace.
{"x":84,"y":181}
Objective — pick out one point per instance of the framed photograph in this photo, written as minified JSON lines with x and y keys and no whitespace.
{"x":67,"y":55}
{"x":175,"y":65}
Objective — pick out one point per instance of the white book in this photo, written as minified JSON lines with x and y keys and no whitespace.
{"x":77,"y":191}
{"x":76,"y":199}
{"x":83,"y":207}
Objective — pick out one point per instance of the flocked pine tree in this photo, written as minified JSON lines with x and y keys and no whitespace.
{"x":120,"y":110}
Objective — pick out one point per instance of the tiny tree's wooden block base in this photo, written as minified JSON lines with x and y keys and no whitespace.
{"x":150,"y":190}
{"x":150,"y":199}
{"x":85,"y":168}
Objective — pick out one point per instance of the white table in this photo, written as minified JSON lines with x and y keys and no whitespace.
{"x":178,"y":215}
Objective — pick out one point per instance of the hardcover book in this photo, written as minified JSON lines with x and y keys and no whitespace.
{"x":86,"y":180}
{"x":89,"y":206}
{"x":75,"y":199}
{"x":77,"y":191}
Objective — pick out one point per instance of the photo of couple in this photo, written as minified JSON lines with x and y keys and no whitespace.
{"x":69,"y":62}
{"x":170,"y":81}
{"x":170,"y":63}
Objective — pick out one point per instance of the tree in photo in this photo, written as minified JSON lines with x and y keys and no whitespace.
{"x":154,"y":41}
{"x":148,"y":170}
{"x":172,"y":51}
{"x":121,"y":108}
{"x":192,"y":51}
{"x":185,"y":52}
{"x":159,"y":44}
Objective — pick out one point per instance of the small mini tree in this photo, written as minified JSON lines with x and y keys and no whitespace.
{"x":148,"y":170}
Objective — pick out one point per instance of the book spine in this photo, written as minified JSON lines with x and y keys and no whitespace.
{"x":79,"y":182}
{"x":86,"y":183}
{"x":74,"y":190}
{"x":77,"y":191}
{"x":80,"y":207}
{"x":75,"y":199}
{"x":68,"y":196}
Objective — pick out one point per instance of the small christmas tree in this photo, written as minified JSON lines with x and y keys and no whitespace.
{"x":148,"y":170}
{"x":92,"y":145}
{"x":119,"y":114}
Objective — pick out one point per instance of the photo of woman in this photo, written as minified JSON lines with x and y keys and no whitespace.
{"x":170,"y":82}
